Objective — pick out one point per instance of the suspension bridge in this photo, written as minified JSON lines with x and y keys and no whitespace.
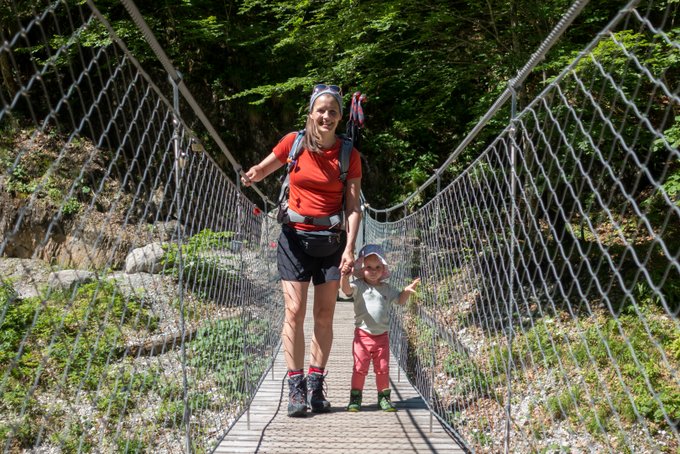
{"x":140,"y":308}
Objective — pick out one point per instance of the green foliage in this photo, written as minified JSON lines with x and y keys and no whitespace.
{"x":63,"y":342}
{"x":70,"y":207}
{"x":671,"y":136}
{"x":231,"y":349}
{"x":423,"y":340}
{"x":539,"y":346}
{"x":429,"y":69}
{"x":670,"y":185}
{"x":171,"y":414}
{"x":482,"y":438}
{"x":72,"y":438}
{"x":17,"y":319}
{"x":21,"y":428}
{"x":207,"y":262}
{"x":613,"y":53}
{"x":564,"y":404}
{"x":204,"y":241}
{"x":82,"y":329}
{"x":123,"y":387}
{"x":126,"y":445}
{"x":39,"y":170}
{"x":469,"y":376}
{"x":630,"y":353}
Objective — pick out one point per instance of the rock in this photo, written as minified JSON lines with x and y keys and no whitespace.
{"x":93,"y":240}
{"x":166,"y":231}
{"x":145,"y":259}
{"x":26,"y":276}
{"x":66,"y":279}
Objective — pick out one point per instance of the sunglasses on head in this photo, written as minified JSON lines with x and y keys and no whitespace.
{"x":323,"y":87}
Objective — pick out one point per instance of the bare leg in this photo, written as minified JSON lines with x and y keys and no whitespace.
{"x":325,"y":296}
{"x":293,"y":336}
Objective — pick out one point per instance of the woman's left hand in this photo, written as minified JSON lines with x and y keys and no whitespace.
{"x":345,"y":270}
{"x":347,"y":261}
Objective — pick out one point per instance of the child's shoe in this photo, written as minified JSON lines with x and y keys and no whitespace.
{"x":316,"y":397}
{"x":384,"y":401}
{"x":297,"y":396}
{"x":354,"y":400}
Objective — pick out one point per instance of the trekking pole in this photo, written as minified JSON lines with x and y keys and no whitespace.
{"x":356,"y":118}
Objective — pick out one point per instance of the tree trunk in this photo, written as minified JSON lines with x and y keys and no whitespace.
{"x":9,"y":85}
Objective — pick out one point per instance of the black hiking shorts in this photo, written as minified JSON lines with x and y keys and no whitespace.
{"x":296,"y":265}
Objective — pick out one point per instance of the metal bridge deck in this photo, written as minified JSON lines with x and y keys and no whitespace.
{"x":267,"y":429}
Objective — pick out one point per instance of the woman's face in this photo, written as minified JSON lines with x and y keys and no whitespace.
{"x":326,"y":114}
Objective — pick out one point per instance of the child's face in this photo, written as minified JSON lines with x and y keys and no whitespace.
{"x":373,"y":269}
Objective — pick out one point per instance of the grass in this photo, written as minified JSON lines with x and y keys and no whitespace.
{"x":206,"y":264}
{"x":60,"y":343}
{"x":603,"y":374}
{"x":69,"y":383}
{"x":218,"y":349}
{"x":624,"y":364}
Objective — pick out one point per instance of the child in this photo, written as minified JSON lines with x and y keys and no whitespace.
{"x":372,"y":301}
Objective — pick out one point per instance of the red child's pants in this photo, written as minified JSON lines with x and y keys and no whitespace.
{"x":367,"y":347}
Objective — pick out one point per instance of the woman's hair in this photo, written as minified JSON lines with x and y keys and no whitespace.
{"x":312,"y":138}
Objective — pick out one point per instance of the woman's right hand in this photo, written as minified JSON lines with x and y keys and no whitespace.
{"x":253,"y":175}
{"x":260,"y":171}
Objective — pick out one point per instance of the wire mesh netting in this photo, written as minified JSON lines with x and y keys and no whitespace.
{"x":138,"y":309}
{"x":548,"y":318}
{"x":139,"y":302}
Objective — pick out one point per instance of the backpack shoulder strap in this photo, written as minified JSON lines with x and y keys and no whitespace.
{"x":295,"y":151}
{"x":286,"y":214}
{"x":293,"y":154}
{"x":345,"y":152}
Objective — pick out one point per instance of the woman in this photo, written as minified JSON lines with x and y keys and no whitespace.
{"x":316,"y":194}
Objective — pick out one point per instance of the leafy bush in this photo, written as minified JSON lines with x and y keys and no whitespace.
{"x":207,"y":263}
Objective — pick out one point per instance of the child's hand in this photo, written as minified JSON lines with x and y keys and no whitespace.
{"x":411,"y":288}
{"x":408,"y":291}
{"x":346,"y":269}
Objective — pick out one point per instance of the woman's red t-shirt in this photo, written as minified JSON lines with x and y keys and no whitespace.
{"x":315,"y":186}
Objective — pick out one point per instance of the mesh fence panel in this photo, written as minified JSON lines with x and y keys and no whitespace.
{"x":548,"y":316}
{"x":138,"y":305}
{"x":138,"y":301}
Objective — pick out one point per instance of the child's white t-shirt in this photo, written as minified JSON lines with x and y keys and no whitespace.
{"x":372,"y":305}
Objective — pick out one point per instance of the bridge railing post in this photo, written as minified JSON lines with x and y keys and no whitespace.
{"x":437,"y":247}
{"x":179,"y":164}
{"x":511,"y":276}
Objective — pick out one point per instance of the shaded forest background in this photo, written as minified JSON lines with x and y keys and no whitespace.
{"x":430,"y":69}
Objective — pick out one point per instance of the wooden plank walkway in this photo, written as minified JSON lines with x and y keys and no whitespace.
{"x":268,"y":429}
